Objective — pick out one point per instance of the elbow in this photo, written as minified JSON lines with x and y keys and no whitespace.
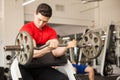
{"x":58,"y":54}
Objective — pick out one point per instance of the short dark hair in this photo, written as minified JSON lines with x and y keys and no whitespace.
{"x":44,"y":9}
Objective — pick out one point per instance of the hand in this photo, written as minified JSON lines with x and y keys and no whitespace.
{"x":53,"y":43}
{"x":72,"y":44}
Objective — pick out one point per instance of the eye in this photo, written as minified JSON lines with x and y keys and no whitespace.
{"x":39,"y":19}
{"x":45,"y":21}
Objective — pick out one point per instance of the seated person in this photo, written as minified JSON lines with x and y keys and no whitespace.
{"x":41,"y":34}
{"x":82,"y":69}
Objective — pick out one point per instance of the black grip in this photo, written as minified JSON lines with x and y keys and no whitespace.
{"x":41,"y":47}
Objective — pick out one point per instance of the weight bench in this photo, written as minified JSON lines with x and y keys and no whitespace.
{"x":16,"y":75}
{"x":14,"y":70}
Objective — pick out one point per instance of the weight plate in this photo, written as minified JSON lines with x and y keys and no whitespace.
{"x":94,"y":39}
{"x":24,"y":40}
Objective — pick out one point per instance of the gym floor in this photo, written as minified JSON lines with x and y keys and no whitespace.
{"x":98,"y":77}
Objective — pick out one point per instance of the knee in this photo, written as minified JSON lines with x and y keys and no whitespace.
{"x":89,"y":69}
{"x":64,"y":78}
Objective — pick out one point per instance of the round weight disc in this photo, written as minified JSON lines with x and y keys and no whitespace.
{"x":91,"y":38}
{"x":24,"y":40}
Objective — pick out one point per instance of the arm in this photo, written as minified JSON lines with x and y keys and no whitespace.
{"x":59,"y":51}
{"x":53,"y":46}
{"x":40,"y":53}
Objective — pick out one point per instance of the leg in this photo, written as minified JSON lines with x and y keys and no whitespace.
{"x":51,"y":74}
{"x":85,"y":69}
{"x":67,"y":70}
{"x":90,"y":72}
{"x":25,"y":74}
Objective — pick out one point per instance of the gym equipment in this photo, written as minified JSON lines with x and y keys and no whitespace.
{"x":117,"y":42}
{"x":8,"y":57}
{"x":104,"y":64}
{"x":118,"y":78}
{"x":15,"y":71}
{"x":24,"y":47}
{"x":91,"y":38}
{"x":109,"y":47}
{"x":1,"y":73}
{"x":108,"y":69}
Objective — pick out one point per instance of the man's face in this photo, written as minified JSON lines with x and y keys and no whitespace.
{"x":40,"y":20}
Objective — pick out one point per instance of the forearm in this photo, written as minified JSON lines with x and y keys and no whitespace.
{"x":40,"y":53}
{"x":59,"y":51}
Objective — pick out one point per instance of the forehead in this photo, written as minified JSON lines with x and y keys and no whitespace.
{"x":40,"y":16}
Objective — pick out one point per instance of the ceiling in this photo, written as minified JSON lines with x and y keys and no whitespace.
{"x":26,"y":2}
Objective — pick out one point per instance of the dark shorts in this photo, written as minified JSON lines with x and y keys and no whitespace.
{"x":41,"y":73}
{"x":80,"y":68}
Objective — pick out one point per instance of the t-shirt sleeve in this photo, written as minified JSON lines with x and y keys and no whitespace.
{"x":26,"y":29}
{"x":53,"y":35}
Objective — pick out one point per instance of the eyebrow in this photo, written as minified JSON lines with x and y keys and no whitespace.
{"x":42,"y":20}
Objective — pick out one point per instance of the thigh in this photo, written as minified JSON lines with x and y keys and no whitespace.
{"x":52,"y":74}
{"x":80,"y":68}
{"x":24,"y":73}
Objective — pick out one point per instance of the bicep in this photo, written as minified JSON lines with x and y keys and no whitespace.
{"x":34,"y":43}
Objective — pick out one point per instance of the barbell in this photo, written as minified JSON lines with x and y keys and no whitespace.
{"x":24,"y":47}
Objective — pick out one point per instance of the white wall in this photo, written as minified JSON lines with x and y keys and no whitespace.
{"x":107,"y":13}
{"x":64,"y":30}
{"x":12,"y":19}
{"x":73,"y":13}
{"x":0,"y":18}
{"x":1,"y":28}
{"x":98,"y":14}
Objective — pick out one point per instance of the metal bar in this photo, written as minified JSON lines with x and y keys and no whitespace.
{"x":13,"y":48}
{"x":62,"y":45}
{"x":59,"y":45}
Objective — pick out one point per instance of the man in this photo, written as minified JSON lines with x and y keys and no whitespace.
{"x":41,"y":34}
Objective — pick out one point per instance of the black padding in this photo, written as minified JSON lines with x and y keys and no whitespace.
{"x":48,"y":60}
{"x":1,"y":73}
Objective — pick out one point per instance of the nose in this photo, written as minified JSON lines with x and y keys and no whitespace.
{"x":41,"y":23}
